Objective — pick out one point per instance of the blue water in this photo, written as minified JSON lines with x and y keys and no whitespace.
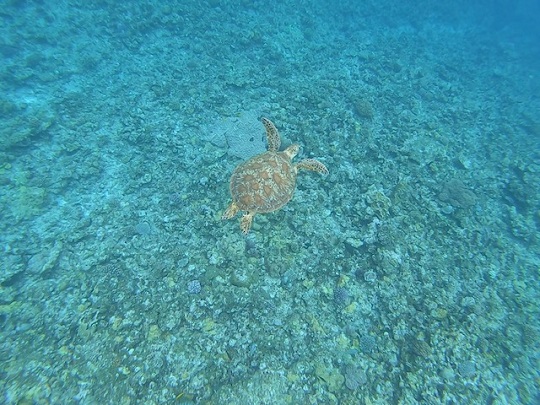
{"x":408,"y":274}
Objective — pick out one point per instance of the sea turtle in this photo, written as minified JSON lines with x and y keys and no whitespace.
{"x":266,"y":182}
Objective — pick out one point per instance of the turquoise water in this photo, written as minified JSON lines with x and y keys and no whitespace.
{"x":409,"y":274}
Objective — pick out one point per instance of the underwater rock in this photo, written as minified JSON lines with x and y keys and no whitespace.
{"x":242,"y":135}
{"x":354,"y":377}
{"x":363,"y":109}
{"x":457,"y":194}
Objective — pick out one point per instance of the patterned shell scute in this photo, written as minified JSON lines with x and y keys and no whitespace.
{"x":264,"y":183}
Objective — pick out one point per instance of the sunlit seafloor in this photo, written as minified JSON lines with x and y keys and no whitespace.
{"x":410,"y":274}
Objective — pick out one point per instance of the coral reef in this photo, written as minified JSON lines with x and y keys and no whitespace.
{"x":411,"y":278}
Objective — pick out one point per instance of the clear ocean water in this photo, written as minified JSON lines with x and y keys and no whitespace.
{"x":407,"y":275}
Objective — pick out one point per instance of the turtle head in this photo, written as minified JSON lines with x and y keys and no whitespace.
{"x":292,"y":150}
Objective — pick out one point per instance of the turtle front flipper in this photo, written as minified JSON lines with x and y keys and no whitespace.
{"x":313,"y":165}
{"x":231,"y":211}
{"x":272,"y":135}
{"x":245,"y":222}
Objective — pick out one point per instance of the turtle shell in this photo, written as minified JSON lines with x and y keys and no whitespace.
{"x":264,"y":183}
